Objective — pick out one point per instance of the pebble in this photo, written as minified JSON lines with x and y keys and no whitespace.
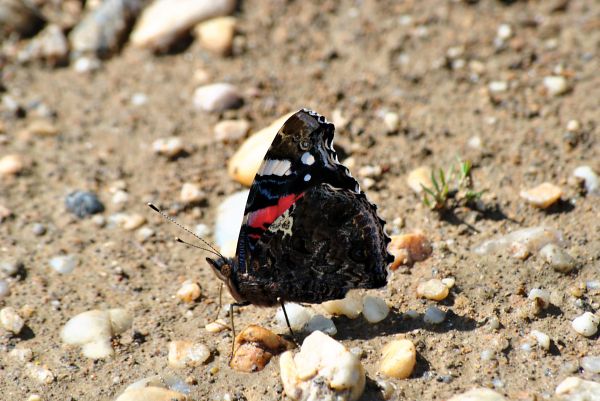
{"x":478,"y":394}
{"x":42,"y":128}
{"x":375,"y":309}
{"x":498,"y":86}
{"x":191,"y":193}
{"x":576,"y":389}
{"x":433,"y":289}
{"x":254,"y":348}
{"x":133,"y":221}
{"x":230,"y":214}
{"x":409,"y":248}
{"x":591,"y":364}
{"x":187,"y":353}
{"x":297,"y":314}
{"x":50,"y":46}
{"x":351,"y":306}
{"x":556,"y":85}
{"x":323,"y":367}
{"x":64,"y":264}
{"x":34,"y":397}
{"x":10,"y":320}
{"x":144,"y":233}
{"x":590,"y":179}
{"x":103,"y":29}
{"x":391,"y":121}
{"x":12,"y":267}
{"x":449,"y":282}
{"x":120,"y":197}
{"x":38,"y":229}
{"x":504,"y":32}
{"x":165,"y":21}
{"x":139,"y":99}
{"x":40,"y":373}
{"x":231,"y":130}
{"x":542,"y":339}
{"x":202,"y":230}
{"x":246,"y":161}
{"x":521,"y":243}
{"x":217,"y":326}
{"x":151,"y":393}
{"x":398,"y":359}
{"x":586,"y":324}
{"x":419,"y":178}
{"x":434,"y":315}
{"x":216,"y":35}
{"x":573,"y":126}
{"x":321,"y":323}
{"x":216,"y":98}
{"x":170,"y":147}
{"x":11,"y":165}
{"x":86,"y":64}
{"x":83,"y":203}
{"x":189,"y":291}
{"x":369,"y":171}
{"x":94,"y":329}
{"x":557,"y":258}
{"x":4,"y":289}
{"x":542,"y":196}
{"x":475,"y":142}
{"x":540,"y":297}
{"x":21,"y":355}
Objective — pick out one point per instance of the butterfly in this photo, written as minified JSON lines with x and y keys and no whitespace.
{"x":309,"y":234}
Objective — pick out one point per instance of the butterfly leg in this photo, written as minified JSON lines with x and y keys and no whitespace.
{"x":233,"y":326}
{"x":287,"y":320}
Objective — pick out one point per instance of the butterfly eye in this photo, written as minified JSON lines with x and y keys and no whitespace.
{"x":304,"y":145}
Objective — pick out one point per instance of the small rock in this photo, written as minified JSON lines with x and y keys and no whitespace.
{"x":191,"y":194}
{"x":170,"y":147}
{"x":40,"y":373}
{"x":504,"y":32}
{"x":64,"y":264}
{"x":576,"y":389}
{"x":556,"y":257}
{"x":217,"y":326}
{"x":244,"y":164}
{"x":391,"y":121}
{"x":323,"y":369}
{"x":21,"y":355}
{"x":230,"y":214}
{"x":50,"y":46}
{"x":133,"y":221}
{"x":34,"y":397}
{"x":4,"y":289}
{"x":42,"y":128}
{"x":254,"y":348}
{"x":474,"y":142}
{"x":498,"y":86}
{"x":151,"y":393}
{"x":449,"y":281}
{"x":591,"y":364}
{"x":374,"y":309}
{"x":298,"y":316}
{"x":542,"y":196}
{"x":369,"y":171}
{"x":94,"y":329}
{"x":86,"y":64}
{"x":38,"y":229}
{"x":433,"y":289}
{"x":573,"y":126}
{"x":520,"y":243}
{"x":11,"y":267}
{"x":419,"y":178}
{"x":216,"y":98}
{"x":165,"y":21}
{"x":11,"y":165}
{"x":83,"y":204}
{"x":586,"y":324}
{"x":216,"y":35}
{"x":144,"y":233}
{"x":120,"y":197}
{"x":322,"y":324}
{"x":556,"y":85}
{"x":351,"y":306}
{"x":478,"y":394}
{"x":10,"y":320}
{"x":540,"y":297}
{"x":202,"y":230}
{"x":398,"y":359}
{"x":409,"y":248}
{"x":231,"y":130}
{"x":139,"y":99}
{"x":189,"y":291}
{"x":187,"y":353}
{"x":542,"y":339}
{"x":434,"y":315}
{"x":590,"y":179}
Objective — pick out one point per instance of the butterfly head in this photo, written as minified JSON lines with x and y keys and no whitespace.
{"x":224,"y":270}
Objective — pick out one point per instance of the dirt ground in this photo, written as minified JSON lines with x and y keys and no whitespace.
{"x":431,"y":62}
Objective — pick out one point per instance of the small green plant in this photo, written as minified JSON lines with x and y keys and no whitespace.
{"x":438,"y":196}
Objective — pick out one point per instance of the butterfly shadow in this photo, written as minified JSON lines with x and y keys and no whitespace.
{"x":397,"y":323}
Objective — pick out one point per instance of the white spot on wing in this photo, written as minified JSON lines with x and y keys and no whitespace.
{"x":275,"y":167}
{"x":307,"y":158}
{"x":307,"y":177}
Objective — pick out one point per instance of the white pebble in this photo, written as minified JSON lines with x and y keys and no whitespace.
{"x":139,"y":99}
{"x":591,"y":364}
{"x":40,"y":373}
{"x":573,"y":125}
{"x":478,"y":394}
{"x":474,"y":142}
{"x":369,"y":171}
{"x":202,"y":230}
{"x":504,"y":32}
{"x":391,"y":121}
{"x":542,"y":339}
{"x":216,"y":326}
{"x":323,"y":369}
{"x":4,"y":289}
{"x":216,"y":35}
{"x":576,"y":389}
{"x":434,"y":315}
{"x":187,"y":353}
{"x":419,"y":178}
{"x":540,"y":297}
{"x":556,"y":85}
{"x":191,"y":193}
{"x":398,"y":359}
{"x":351,"y":306}
{"x":374,"y":309}
{"x":144,"y":233}
{"x":487,"y":355}
{"x":11,"y":165}
{"x":586,"y":324}
{"x":590,"y":178}
{"x":433,"y":289}
{"x":217,"y":97}
{"x":21,"y":355}
{"x":34,"y":397}
{"x":558,"y":258}
{"x":231,"y":130}
{"x":169,"y":147}
{"x":120,"y":197}
{"x":133,"y":221}
{"x":86,"y":64}
{"x":498,"y":86}
{"x":321,"y":323}
{"x":189,"y":291}
{"x":64,"y":264}
{"x":10,"y":320}
{"x":530,"y":239}
{"x":449,"y":281}
{"x":297,"y":314}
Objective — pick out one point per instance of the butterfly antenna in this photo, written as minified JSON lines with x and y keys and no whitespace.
{"x":196,"y":246}
{"x":212,"y":249}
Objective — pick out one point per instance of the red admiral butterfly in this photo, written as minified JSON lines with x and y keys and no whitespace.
{"x":309,"y":233}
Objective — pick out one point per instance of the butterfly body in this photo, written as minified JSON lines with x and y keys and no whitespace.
{"x":309,"y":233}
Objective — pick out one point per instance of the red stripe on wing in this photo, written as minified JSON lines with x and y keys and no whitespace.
{"x":263,"y":218}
